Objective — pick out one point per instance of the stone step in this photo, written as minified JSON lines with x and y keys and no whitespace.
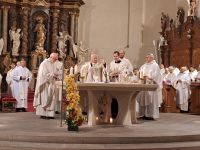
{"x":73,"y":138}
{"x":56,"y":146}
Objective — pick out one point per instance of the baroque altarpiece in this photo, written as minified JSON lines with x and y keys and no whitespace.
{"x":32,"y":29}
{"x":180,"y":39}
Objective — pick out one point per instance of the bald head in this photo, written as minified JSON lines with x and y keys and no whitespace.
{"x":149,"y":57}
{"x":93,"y":58}
{"x":183,"y":69}
{"x":121,"y":53}
{"x":53,"y":57}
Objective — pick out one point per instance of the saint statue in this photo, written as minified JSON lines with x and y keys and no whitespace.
{"x":41,"y":33}
{"x":164,"y":22}
{"x":15,"y":38}
{"x":192,"y":7}
{"x":1,"y":45}
{"x":61,"y":42}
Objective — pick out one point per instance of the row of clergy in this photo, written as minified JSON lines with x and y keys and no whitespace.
{"x":180,"y":80}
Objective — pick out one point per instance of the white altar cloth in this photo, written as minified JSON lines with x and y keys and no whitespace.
{"x":125,"y":93}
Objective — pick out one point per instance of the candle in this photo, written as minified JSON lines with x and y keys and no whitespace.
{"x":71,"y":71}
{"x":111,"y":120}
{"x":97,"y":118}
{"x":75,"y":69}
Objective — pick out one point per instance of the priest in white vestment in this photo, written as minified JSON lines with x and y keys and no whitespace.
{"x":171,"y":77}
{"x":22,"y":77}
{"x":165,"y":74}
{"x":162,"y":69}
{"x":59,"y":68}
{"x":193,"y":73}
{"x":126,"y":62}
{"x":44,"y":98}
{"x":116,"y":68}
{"x":149,"y":101}
{"x":198,"y":75}
{"x":93,"y":71}
{"x":182,"y":86}
{"x":9,"y":80}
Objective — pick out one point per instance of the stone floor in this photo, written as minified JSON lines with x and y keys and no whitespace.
{"x":169,"y":129}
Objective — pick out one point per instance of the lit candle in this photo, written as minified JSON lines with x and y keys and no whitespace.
{"x":97,"y":118}
{"x":111,"y":120}
{"x":75,"y":69}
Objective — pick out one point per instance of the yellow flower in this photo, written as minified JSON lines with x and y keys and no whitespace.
{"x":73,"y":111}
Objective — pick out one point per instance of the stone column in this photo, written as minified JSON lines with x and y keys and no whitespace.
{"x":76,"y":29}
{"x":25,"y":24}
{"x":1,"y":23}
{"x":72,"y":18}
{"x":5,"y":27}
{"x":54,"y":29}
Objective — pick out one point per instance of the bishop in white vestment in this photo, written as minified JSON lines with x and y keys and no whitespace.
{"x":22,"y":77}
{"x":44,"y":98}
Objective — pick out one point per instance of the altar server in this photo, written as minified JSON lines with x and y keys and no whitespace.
{"x":22,"y":77}
{"x":9,"y":79}
{"x":116,"y":67}
{"x":126,"y":62}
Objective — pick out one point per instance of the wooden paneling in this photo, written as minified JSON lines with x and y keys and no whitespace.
{"x":195,"y":98}
{"x":183,"y":47}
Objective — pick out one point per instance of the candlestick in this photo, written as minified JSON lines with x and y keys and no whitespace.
{"x":71,"y":71}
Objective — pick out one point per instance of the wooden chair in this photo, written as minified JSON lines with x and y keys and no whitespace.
{"x":195,"y":98}
{"x":169,"y":104}
{"x":8,"y":104}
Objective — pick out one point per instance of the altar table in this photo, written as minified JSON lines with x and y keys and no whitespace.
{"x":125,"y":93}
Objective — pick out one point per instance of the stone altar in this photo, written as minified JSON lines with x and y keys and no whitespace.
{"x":124,"y":92}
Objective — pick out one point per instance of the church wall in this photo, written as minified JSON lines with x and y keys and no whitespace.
{"x":103,"y":26}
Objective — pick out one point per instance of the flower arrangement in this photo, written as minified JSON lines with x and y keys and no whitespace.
{"x":74,"y":117}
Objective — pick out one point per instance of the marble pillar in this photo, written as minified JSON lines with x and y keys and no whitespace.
{"x":1,"y":23}
{"x":54,"y":29}
{"x":5,"y":28}
{"x":72,"y":18}
{"x":76,"y":29}
{"x":25,"y":26}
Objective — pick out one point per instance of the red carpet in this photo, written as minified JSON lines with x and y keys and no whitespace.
{"x":30,"y":102}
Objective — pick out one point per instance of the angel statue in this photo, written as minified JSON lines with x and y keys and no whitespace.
{"x":61,"y":39}
{"x":1,"y":45}
{"x":82,"y":54}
